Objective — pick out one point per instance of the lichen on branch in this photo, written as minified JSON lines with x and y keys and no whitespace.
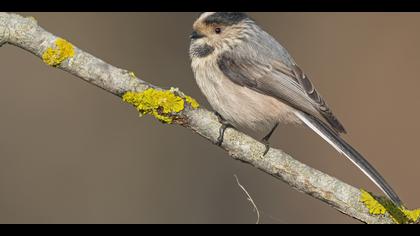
{"x":172,"y":106}
{"x":164,"y":105}
{"x":61,"y":51}
{"x":382,"y":205}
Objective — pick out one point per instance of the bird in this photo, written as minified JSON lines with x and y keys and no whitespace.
{"x":253,"y":83}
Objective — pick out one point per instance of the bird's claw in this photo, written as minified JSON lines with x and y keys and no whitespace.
{"x":222,"y":129}
{"x":266,"y":138}
{"x":267,"y":146}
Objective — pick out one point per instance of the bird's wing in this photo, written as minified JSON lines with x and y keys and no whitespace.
{"x":289,"y":84}
{"x":285,"y":82}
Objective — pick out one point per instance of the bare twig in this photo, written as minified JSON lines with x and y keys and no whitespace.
{"x":26,"y":34}
{"x":249,"y":199}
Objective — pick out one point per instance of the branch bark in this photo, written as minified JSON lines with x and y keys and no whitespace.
{"x":26,"y":34}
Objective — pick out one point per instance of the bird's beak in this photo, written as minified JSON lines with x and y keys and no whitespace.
{"x":196,"y":35}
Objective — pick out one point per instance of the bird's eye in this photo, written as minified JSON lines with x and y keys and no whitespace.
{"x":218,"y":30}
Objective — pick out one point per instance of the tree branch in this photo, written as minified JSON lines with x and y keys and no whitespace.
{"x":26,"y":34}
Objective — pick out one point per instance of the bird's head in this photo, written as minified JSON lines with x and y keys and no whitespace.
{"x":215,"y":32}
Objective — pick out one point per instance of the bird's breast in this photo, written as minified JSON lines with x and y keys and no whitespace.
{"x":241,"y":106}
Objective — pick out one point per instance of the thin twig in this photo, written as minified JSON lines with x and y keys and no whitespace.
{"x":249,"y":199}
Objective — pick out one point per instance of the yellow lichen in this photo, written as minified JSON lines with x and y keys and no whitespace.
{"x":412,"y":215}
{"x":375,"y":208}
{"x":382,"y":205}
{"x":132,"y":75}
{"x":193,"y":103}
{"x":61,"y":51}
{"x":161,"y":104}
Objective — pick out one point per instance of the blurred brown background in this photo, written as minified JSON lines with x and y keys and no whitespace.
{"x":72,"y":153}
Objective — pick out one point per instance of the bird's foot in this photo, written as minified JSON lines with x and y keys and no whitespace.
{"x":222,"y":129}
{"x":267,"y":146}
{"x":266,"y":138}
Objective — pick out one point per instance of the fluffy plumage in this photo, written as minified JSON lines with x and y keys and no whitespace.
{"x":254,"y":83}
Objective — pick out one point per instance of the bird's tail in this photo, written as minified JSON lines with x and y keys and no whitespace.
{"x":354,"y":156}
